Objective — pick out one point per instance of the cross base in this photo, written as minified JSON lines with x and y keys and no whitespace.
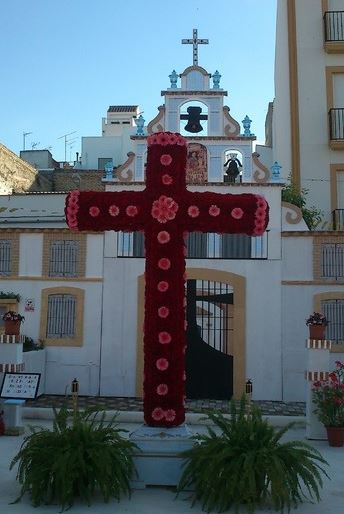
{"x":157,"y":460}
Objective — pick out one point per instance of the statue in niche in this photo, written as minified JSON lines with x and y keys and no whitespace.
{"x":196,"y":164}
{"x":233,"y":169}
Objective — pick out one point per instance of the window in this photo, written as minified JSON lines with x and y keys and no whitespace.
{"x":334,"y":311}
{"x":64,"y":258}
{"x":102,"y":162}
{"x":5,"y":257}
{"x":130,"y":244}
{"x":61,"y":316}
{"x":332,"y":261}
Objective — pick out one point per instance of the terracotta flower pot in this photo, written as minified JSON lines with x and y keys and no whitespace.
{"x":12,"y":328}
{"x":335,"y":436}
{"x":317,"y":331}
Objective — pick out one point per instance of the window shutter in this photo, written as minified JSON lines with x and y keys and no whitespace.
{"x":5,"y":257}
{"x":235,"y":246}
{"x":334,"y":312}
{"x":64,"y":258}
{"x":138,"y":244}
{"x":61,"y":316}
{"x":197,"y":244}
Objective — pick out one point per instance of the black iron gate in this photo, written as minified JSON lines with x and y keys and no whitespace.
{"x":209,"y":365}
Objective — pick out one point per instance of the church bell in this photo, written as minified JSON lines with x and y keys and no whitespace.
{"x":194,"y":116}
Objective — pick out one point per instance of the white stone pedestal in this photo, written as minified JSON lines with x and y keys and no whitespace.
{"x":157,"y":460}
{"x":318,"y":365}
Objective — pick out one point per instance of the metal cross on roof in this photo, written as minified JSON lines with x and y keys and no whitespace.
{"x":195,"y":42}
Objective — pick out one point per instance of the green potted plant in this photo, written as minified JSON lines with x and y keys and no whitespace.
{"x":82,"y":455}
{"x":328,"y":397}
{"x":317,"y":324}
{"x":244,"y":463}
{"x":12,"y":321}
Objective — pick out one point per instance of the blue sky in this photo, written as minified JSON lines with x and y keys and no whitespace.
{"x":64,"y":62}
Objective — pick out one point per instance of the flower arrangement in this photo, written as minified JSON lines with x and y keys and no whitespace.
{"x":328,"y":396}
{"x":166,"y":210}
{"x":317,"y":319}
{"x":13,"y":316}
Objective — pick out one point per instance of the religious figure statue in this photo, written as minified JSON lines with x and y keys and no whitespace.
{"x":234,"y":167}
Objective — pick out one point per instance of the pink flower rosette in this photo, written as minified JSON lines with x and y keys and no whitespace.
{"x":164,"y":209}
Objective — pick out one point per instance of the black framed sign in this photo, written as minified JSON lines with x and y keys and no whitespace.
{"x":20,"y":386}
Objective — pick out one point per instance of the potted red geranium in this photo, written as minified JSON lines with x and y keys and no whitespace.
{"x":12,"y":321}
{"x":317,"y":324}
{"x":328,"y":397}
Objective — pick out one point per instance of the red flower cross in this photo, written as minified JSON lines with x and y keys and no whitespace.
{"x":165,"y":211}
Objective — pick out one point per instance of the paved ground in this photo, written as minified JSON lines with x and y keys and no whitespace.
{"x":135,"y":404}
{"x":163,"y":500}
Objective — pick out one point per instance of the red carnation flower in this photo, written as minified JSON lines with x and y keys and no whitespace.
{"x":158,"y":414}
{"x":163,"y":286}
{"x":162,"y":364}
{"x":170,"y":415}
{"x":164,"y":338}
{"x":163,"y":312}
{"x":237,"y":213}
{"x":193,"y":211}
{"x":163,"y":139}
{"x":181,"y":141}
{"x":73,"y":197}
{"x":167,"y":180}
{"x":162,"y":389}
{"x":131,"y":210}
{"x":261,"y":202}
{"x":164,"y":209}
{"x":113,"y":210}
{"x":152,"y":140}
{"x":163,"y":237}
{"x":72,"y":209}
{"x":173,"y":139}
{"x":214,"y":210}
{"x":166,"y":159}
{"x":94,"y":211}
{"x":164,"y":263}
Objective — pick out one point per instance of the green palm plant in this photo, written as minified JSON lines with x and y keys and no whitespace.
{"x":83,"y":454}
{"x":248,"y":464}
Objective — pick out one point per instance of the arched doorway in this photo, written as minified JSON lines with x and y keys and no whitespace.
{"x":209,"y":355}
{"x":238,"y":337}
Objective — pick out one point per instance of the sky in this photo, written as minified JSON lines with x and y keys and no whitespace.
{"x":63,"y":62}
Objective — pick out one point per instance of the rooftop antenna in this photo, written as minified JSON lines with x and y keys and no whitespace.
{"x":25,"y":134}
{"x":66,"y":141}
{"x":34,"y":144}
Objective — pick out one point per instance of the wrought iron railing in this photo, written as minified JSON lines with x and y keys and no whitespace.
{"x":203,"y":246}
{"x":338,"y":219}
{"x":336,"y":123}
{"x":334,"y":26}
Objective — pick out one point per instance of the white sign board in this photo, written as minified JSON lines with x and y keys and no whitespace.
{"x":21,"y":386}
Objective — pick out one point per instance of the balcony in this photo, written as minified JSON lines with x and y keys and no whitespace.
{"x":203,"y":246}
{"x":338,"y":219}
{"x":336,"y":124}
{"x":334,"y":32}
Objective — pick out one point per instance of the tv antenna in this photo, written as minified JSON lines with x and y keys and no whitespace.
{"x":34,"y":144}
{"x":25,"y":134}
{"x":66,"y":141}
